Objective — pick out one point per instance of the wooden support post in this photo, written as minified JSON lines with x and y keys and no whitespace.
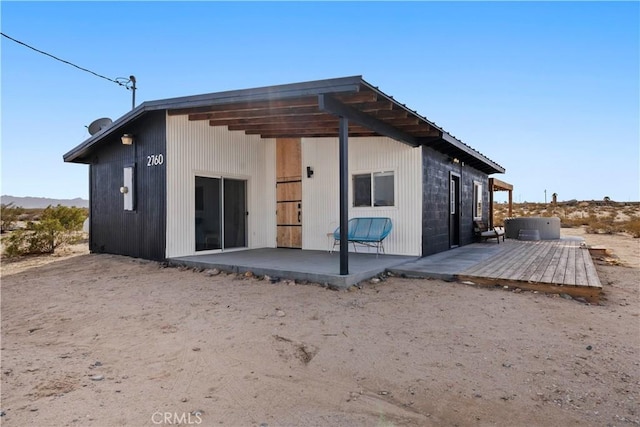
{"x":510,"y":203}
{"x":491,"y":190}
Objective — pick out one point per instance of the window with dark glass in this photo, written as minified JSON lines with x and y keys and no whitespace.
{"x":362,"y":190}
{"x":220,"y":213}
{"x":374,"y":189}
{"x":383,"y":189}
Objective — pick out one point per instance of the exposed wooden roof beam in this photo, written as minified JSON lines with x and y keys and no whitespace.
{"x":317,"y":118}
{"x":391,"y":114}
{"x":314,"y":120}
{"x":307,"y":101}
{"x":279,"y":110}
{"x":357,"y":97}
{"x":423,"y":129}
{"x":315,"y":135}
{"x":267,"y":112}
{"x":372,"y":106}
{"x":259,"y":129}
{"x":241,"y":106}
{"x":401,"y":121}
{"x":329,"y":104}
{"x":499,"y":185}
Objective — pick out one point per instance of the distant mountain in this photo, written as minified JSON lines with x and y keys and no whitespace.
{"x":42,"y":202}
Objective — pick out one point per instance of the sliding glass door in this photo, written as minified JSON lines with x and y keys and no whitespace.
{"x":220,"y":213}
{"x":235,"y":213}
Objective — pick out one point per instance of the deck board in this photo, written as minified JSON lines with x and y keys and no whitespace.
{"x":549,"y":272}
{"x":592,"y":274}
{"x":491,"y":265}
{"x":581,"y":269}
{"x":570,"y":271}
{"x":562,"y":266}
{"x":507,"y":267}
{"x":541,"y":267}
{"x":519,"y":259}
{"x":534,"y":262}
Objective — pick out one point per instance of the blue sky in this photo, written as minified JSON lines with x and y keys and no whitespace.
{"x":549,"y":90}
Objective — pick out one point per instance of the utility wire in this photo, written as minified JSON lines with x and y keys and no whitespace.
{"x":120,"y":83}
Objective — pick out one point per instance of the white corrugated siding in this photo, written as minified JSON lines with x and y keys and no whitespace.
{"x":195,"y":148}
{"x":320,"y":204}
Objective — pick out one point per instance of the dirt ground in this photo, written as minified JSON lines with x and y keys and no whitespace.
{"x":100,"y":340}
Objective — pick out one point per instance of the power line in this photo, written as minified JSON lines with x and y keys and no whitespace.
{"x":121,"y":81}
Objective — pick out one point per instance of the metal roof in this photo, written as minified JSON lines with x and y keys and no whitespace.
{"x":309,"y":109}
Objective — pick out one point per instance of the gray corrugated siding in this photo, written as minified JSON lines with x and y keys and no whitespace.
{"x":139,"y":233}
{"x":435,"y":199}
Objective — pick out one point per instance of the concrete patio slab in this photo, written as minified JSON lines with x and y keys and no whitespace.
{"x":312,"y":266}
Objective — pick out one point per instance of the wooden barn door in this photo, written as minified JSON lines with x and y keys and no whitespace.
{"x":289,"y":192}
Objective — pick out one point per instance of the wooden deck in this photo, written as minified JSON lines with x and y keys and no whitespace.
{"x":557,"y":266}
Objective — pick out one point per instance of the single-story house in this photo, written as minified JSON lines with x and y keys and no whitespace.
{"x":279,"y":166}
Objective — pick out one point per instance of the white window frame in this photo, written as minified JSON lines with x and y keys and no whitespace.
{"x":128,"y":188}
{"x":477,"y":200}
{"x":452,"y":196}
{"x":372,"y":174}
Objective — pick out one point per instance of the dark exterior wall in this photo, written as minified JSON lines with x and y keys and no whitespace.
{"x":435,"y":200}
{"x":469,"y":175}
{"x":140,"y":233}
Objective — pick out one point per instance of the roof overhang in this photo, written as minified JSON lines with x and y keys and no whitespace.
{"x":309,"y":109}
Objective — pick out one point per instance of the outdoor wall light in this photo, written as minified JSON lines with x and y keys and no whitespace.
{"x":309,"y":172}
{"x":124,"y":190}
{"x":127,"y":139}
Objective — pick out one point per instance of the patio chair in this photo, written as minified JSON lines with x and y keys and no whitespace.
{"x":483,"y":232}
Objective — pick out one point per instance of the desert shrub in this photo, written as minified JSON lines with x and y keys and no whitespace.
{"x":32,"y":214}
{"x":570,"y":222}
{"x":57,"y":227}
{"x":9,"y":214}
{"x":70,"y":218}
{"x":633,"y":227}
{"x":16,"y":244}
{"x":601,"y":228}
{"x":601,"y":223}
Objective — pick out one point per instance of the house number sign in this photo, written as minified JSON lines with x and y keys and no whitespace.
{"x":155,"y":160}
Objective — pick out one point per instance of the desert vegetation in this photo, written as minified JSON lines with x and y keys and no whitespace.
{"x":40,"y":231}
{"x":598,"y":217}
{"x":9,"y":216}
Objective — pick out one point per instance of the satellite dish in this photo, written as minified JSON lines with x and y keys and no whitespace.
{"x":98,"y":125}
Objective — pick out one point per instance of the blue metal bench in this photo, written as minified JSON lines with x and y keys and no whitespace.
{"x":367,"y":231}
